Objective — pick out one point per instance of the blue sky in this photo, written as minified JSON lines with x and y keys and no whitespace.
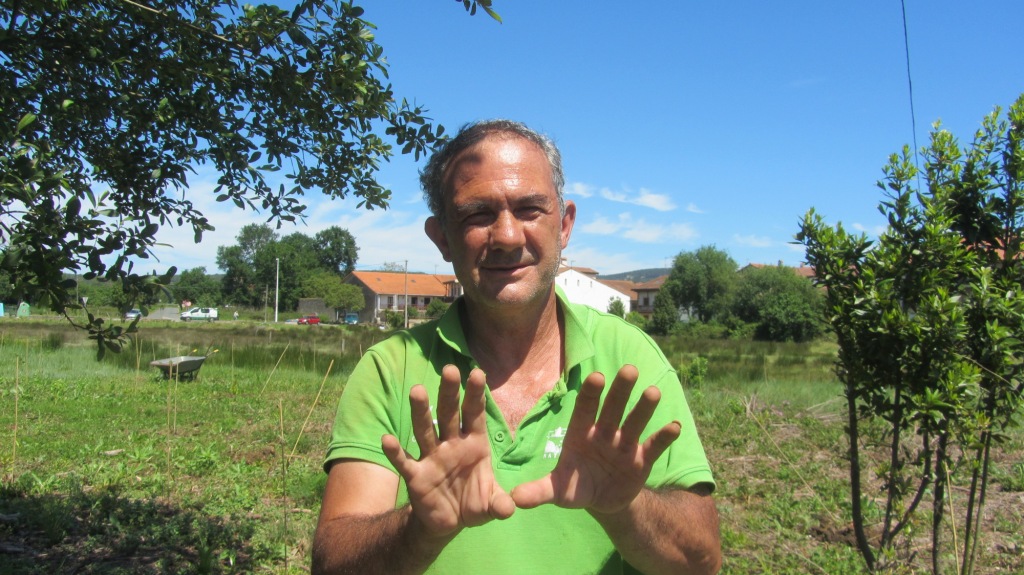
{"x":681,"y":124}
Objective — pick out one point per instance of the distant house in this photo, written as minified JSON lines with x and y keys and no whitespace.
{"x":626,"y":288}
{"x":802,"y":270}
{"x":582,"y":286}
{"x":645,"y":294}
{"x":391,"y":290}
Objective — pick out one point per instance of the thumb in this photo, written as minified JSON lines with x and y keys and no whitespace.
{"x":534,"y":493}
{"x":502,"y":505}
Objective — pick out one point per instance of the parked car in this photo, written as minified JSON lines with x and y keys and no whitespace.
{"x":200,"y":313}
{"x":132,"y":314}
{"x":351,"y":318}
{"x":311,"y":319}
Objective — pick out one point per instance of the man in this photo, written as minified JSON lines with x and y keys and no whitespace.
{"x":541,"y":468}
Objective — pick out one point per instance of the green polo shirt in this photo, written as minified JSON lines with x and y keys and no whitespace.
{"x":547,"y":539}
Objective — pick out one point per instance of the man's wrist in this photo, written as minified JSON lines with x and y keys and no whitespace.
{"x":421,"y":538}
{"x":626,"y":513}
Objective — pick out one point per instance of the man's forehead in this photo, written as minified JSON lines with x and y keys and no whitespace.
{"x":510,"y":150}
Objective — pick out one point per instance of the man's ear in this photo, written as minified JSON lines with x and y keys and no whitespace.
{"x":567,"y":222}
{"x":435,"y":232}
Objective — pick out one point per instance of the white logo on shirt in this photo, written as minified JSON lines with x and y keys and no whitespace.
{"x":553,"y":446}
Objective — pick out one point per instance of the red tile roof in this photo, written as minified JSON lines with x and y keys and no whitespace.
{"x":653,"y":285}
{"x":582,"y":270}
{"x":395,"y":283}
{"x":622,"y":286}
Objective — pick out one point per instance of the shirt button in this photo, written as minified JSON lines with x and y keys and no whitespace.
{"x":499,"y":436}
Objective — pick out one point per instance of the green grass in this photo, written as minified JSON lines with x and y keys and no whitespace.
{"x":108,"y":468}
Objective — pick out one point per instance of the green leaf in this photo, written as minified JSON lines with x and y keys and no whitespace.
{"x":491,"y":13}
{"x":25,"y":121}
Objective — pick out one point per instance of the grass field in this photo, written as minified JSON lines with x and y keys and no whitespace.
{"x":108,"y":468}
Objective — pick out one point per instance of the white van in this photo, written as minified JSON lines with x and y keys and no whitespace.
{"x":200,"y":313}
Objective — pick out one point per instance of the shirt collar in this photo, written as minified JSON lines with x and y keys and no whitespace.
{"x":578,"y":346}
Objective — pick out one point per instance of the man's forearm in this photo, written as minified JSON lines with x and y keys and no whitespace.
{"x":385,"y":543}
{"x":669,"y":531}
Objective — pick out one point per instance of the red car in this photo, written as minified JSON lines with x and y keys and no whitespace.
{"x":309,"y":320}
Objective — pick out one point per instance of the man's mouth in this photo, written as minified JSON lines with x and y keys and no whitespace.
{"x":504,"y":266}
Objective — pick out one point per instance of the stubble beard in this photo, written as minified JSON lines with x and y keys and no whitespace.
{"x":521,"y":293}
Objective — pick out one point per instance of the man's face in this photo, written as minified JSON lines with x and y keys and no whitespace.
{"x":504,"y":233}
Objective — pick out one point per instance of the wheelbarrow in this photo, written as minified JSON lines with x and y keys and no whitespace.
{"x":180,"y":367}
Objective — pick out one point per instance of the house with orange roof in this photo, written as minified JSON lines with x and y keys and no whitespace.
{"x":645,"y":294}
{"x":392,"y":291}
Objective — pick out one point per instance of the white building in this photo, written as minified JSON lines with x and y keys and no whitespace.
{"x":582,"y":286}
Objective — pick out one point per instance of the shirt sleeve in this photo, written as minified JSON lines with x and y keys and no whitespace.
{"x":684,"y":464}
{"x":370,"y":407}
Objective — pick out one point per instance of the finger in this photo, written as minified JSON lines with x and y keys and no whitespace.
{"x":448,"y":403}
{"x":587,"y":402}
{"x":397,"y":456}
{"x":534,"y":493}
{"x":474,"y":403}
{"x":659,"y":441}
{"x":422,"y":421}
{"x":616,"y":401}
{"x":640,"y":416}
{"x":502,"y":505}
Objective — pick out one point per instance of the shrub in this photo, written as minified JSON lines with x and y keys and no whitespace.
{"x":693,"y":375}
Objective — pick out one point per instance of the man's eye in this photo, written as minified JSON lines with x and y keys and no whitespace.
{"x":478,"y":219}
{"x":529,"y":212}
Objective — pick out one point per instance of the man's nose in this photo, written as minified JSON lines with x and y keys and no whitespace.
{"x":507,"y":231}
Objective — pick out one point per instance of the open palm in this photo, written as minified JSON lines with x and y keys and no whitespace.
{"x":452,"y":485}
{"x":603,"y":464}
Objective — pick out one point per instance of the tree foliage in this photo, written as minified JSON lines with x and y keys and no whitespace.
{"x":195,"y":286}
{"x":336,"y":249}
{"x":665,"y":315}
{"x":637,"y":319}
{"x":781,"y":305}
{"x":107,"y":107}
{"x":703,"y":282}
{"x":295,"y":266}
{"x":928,"y":322}
{"x":436,"y":308}
{"x":616,"y":307}
{"x":336,"y":295}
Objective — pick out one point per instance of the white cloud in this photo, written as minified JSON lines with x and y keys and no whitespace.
{"x":753,"y":241}
{"x":640,"y":230}
{"x":602,"y":226}
{"x":579,"y":189}
{"x":608,"y":262}
{"x":682,"y":232}
{"x":392,"y":235}
{"x":871,"y":231}
{"x":614,"y":196}
{"x":646,"y":198}
{"x":693,"y":209}
{"x":660,"y":202}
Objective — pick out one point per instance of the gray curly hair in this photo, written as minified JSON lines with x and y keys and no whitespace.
{"x":433,"y":175}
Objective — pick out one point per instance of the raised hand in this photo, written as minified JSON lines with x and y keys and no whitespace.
{"x":603,"y":465}
{"x":452,"y":485}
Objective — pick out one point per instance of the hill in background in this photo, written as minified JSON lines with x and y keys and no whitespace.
{"x":638,"y":276}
